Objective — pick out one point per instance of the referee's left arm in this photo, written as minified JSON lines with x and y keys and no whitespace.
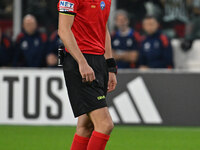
{"x":112,"y":82}
{"x":108,"y":48}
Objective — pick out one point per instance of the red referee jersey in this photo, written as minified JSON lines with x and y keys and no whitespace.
{"x":89,"y":27}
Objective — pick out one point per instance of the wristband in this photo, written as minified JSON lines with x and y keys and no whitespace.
{"x":112,"y":66}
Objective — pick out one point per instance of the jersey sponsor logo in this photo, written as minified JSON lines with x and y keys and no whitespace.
{"x":66,"y":6}
{"x":156,"y":45}
{"x":129,"y":42}
{"x":116,"y":42}
{"x":147,"y":46}
{"x":24,"y":45}
{"x":103,"y":5}
{"x":36,"y":42}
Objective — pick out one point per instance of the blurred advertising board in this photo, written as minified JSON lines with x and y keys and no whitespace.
{"x":156,"y":97}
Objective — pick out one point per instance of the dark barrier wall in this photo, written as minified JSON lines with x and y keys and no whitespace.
{"x":39,"y":97}
{"x":176,"y":95}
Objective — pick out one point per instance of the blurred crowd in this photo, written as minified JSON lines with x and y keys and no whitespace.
{"x":132,"y":50}
{"x":174,"y":15}
{"x":33,"y":48}
{"x":143,"y":44}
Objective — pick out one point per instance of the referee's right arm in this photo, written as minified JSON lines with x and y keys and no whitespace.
{"x":67,"y":37}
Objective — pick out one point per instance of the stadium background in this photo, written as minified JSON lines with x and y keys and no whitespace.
{"x":154,"y":109}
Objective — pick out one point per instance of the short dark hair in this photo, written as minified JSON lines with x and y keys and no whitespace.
{"x":122,"y":12}
{"x":151,"y":17}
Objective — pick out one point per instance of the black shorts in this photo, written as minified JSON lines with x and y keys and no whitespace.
{"x":85,"y":97}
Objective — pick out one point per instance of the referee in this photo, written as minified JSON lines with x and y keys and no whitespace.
{"x":89,"y":69}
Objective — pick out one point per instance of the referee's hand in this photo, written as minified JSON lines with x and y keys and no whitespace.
{"x":112,"y":82}
{"x":86,"y":72}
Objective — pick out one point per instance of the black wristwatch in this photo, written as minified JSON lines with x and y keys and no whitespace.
{"x":112,"y":65}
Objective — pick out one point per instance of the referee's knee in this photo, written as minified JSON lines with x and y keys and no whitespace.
{"x":85,"y":131}
{"x":109,"y":127}
{"x":105,"y":127}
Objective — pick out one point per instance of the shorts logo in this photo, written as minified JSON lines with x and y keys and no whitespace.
{"x":103,"y":5}
{"x":101,"y":97}
{"x":66,"y":6}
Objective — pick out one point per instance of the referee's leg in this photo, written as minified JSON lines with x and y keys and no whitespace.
{"x":103,"y":126}
{"x":102,"y":120}
{"x":85,"y":126}
{"x":83,"y":132}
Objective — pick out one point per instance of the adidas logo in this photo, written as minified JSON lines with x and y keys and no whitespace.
{"x":135,"y":106}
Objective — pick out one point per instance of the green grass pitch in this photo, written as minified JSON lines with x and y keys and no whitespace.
{"x":123,"y":138}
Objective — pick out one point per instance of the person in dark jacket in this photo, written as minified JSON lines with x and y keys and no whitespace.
{"x":54,"y":43}
{"x":5,"y":51}
{"x":156,"y":49}
{"x":31,"y":45}
{"x":125,"y":42}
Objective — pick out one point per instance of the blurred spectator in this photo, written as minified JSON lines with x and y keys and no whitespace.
{"x":31,"y":45}
{"x":46,"y":13}
{"x":193,"y":27}
{"x":138,"y":9}
{"x":156,"y":50}
{"x":154,"y":8}
{"x":175,"y":10}
{"x":6,"y":11}
{"x":176,"y":15}
{"x":53,"y":50}
{"x":125,"y":42}
{"x":6,"y":8}
{"x":5,"y":51}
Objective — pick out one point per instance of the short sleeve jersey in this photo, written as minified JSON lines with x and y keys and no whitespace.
{"x":89,"y":27}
